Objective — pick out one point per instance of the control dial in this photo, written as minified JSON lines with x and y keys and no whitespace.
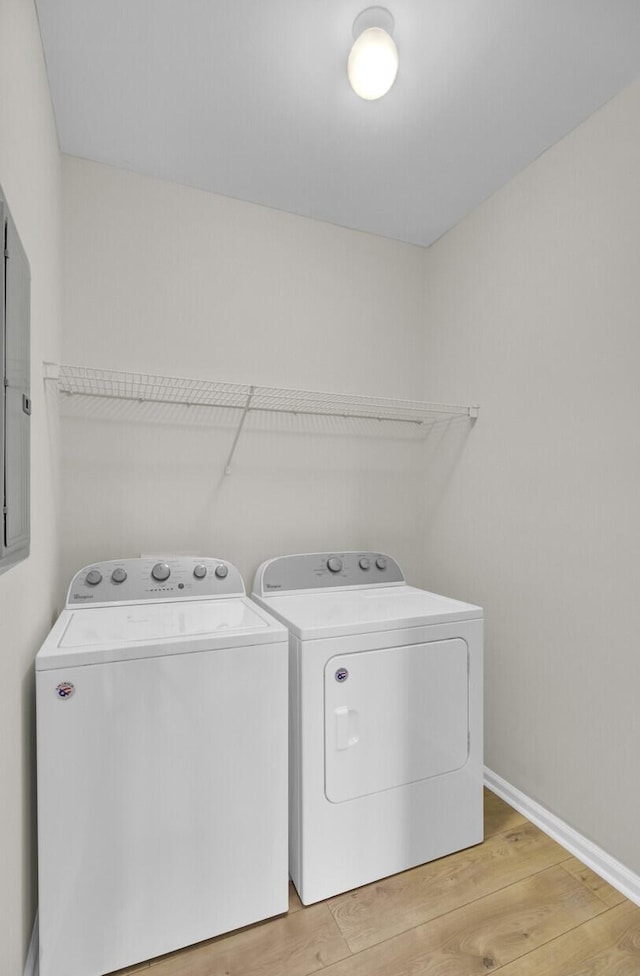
{"x":93,"y":577}
{"x":381,"y":562}
{"x":200,"y":571}
{"x":365,"y":563}
{"x":161,"y":572}
{"x":334,"y":564}
{"x":119,"y":575}
{"x":222,"y":571}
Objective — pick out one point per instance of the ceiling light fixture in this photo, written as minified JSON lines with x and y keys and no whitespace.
{"x":373,"y":60}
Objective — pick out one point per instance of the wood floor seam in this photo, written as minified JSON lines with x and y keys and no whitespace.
{"x":451,"y":911}
{"x":557,"y":938}
{"x":606,"y":906}
{"x":599,"y":887}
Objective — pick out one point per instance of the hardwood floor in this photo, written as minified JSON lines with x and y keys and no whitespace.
{"x":517,"y":905}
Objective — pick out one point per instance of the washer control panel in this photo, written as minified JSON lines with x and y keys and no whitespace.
{"x":322,"y":570}
{"x":144,"y":579}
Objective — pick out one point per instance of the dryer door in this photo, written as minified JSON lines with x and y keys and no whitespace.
{"x":394,"y":716}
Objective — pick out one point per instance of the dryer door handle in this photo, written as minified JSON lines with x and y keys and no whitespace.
{"x":346,"y":727}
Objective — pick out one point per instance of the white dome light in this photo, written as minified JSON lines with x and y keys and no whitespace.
{"x":373,"y":60}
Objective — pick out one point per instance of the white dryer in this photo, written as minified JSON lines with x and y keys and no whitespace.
{"x":386,"y":734}
{"x":162,"y":764}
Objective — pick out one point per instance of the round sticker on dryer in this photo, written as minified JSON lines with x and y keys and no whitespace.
{"x":341,"y":674}
{"x":65,"y":690}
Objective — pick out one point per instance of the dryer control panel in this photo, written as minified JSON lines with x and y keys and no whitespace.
{"x":151,"y":578}
{"x":322,"y":570}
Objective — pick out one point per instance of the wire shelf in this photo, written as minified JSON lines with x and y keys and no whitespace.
{"x":150,"y":388}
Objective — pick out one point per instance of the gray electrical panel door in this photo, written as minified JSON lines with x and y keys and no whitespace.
{"x":16,"y":401}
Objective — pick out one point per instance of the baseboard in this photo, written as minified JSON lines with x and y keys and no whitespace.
{"x":31,"y":967}
{"x":619,"y":876}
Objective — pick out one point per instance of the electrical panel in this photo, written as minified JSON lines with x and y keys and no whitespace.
{"x":15,"y":397}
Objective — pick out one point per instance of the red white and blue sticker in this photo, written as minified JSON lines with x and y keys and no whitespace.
{"x":65,"y":689}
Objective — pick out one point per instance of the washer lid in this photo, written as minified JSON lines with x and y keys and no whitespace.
{"x":99,"y":635}
{"x":335,"y":613}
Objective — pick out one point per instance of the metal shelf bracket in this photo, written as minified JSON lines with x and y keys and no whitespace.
{"x":247,"y":406}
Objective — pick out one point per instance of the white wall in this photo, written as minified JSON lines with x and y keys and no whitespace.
{"x":163,"y":278}
{"x":29,"y":174}
{"x":532,"y":308}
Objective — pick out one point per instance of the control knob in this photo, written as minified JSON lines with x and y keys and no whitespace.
{"x":334,"y":564}
{"x":119,"y":575}
{"x":93,"y":577}
{"x":222,"y":571}
{"x":161,"y":572}
{"x":365,"y":563}
{"x":200,"y":571}
{"x":381,"y":562}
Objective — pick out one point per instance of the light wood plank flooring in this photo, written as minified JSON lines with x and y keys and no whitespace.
{"x":517,"y":905}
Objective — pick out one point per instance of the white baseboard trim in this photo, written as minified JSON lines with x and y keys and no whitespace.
{"x":31,"y":967}
{"x":619,"y":876}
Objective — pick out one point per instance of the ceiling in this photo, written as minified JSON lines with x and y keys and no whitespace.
{"x":249,"y":98}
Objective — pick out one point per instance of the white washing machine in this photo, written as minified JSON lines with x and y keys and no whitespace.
{"x":162,"y":764}
{"x":386,"y":743}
